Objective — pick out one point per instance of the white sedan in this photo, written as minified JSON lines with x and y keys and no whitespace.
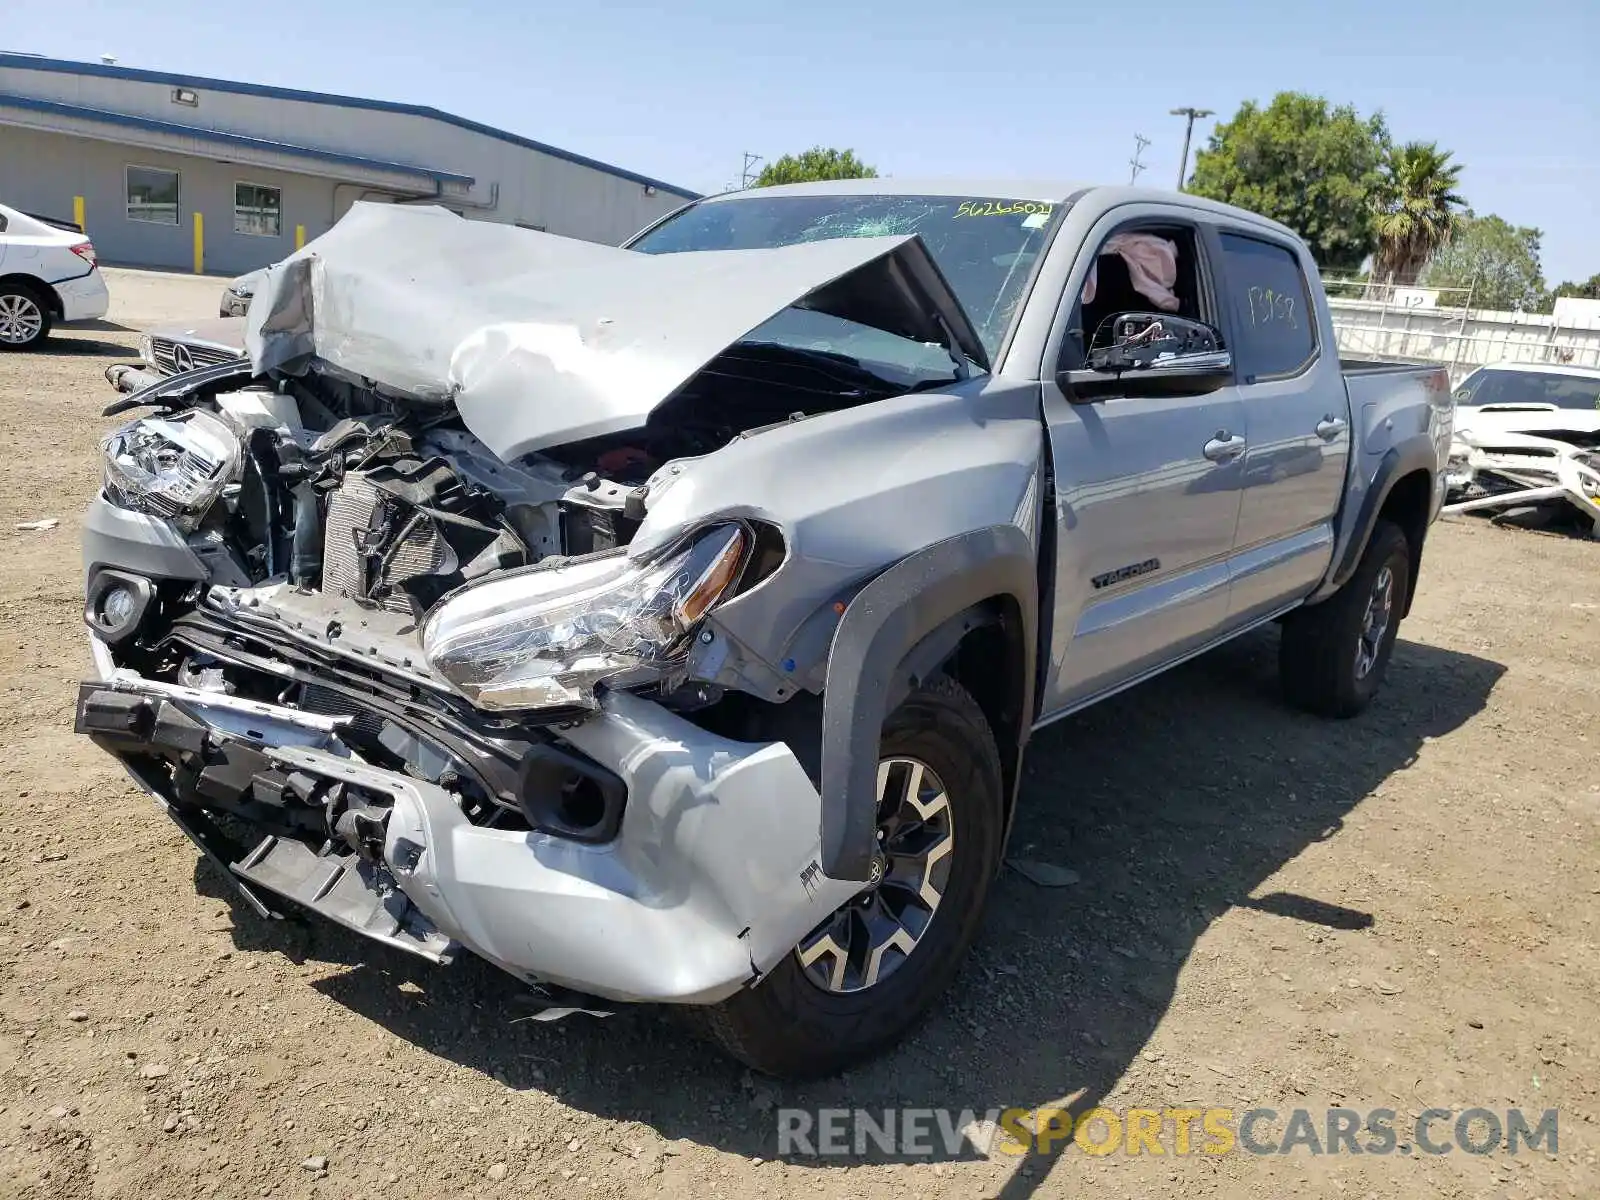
{"x":48,"y":274}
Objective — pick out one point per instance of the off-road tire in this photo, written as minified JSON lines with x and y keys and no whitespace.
{"x":789,"y":1026}
{"x":1318,"y":656}
{"x":22,"y":292}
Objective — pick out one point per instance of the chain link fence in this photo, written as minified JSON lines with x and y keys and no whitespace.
{"x":1441,"y":325}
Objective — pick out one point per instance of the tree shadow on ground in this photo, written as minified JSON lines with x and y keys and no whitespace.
{"x":1173,"y":801}
{"x":57,"y":346}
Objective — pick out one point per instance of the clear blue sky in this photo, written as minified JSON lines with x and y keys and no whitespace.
{"x":679,"y":90}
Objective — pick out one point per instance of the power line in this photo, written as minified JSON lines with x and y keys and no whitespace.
{"x":749,"y":174}
{"x":1140,"y":142}
{"x":1192,"y":114}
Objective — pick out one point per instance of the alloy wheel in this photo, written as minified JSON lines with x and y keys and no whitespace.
{"x":21,"y":319}
{"x":1375,"y":622}
{"x":867,"y":939}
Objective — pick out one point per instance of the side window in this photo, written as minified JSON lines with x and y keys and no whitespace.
{"x":152,"y":195}
{"x":257,"y":210}
{"x":1140,"y":268}
{"x":1273,"y":318}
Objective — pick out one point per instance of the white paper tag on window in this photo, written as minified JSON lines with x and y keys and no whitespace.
{"x":1035,"y":220}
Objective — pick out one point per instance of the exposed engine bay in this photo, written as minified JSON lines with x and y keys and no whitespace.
{"x":332,"y":520}
{"x":1542,"y":478}
{"x":451,"y":626}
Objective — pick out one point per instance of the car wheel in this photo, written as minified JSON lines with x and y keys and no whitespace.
{"x":1334,"y":655}
{"x":868,"y":973}
{"x":24,"y":317}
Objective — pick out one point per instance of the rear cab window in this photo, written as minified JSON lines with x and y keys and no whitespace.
{"x":1274,"y":322}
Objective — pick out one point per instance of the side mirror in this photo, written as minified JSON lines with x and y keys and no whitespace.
{"x":1150,"y":354}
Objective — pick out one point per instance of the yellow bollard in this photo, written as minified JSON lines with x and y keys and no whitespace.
{"x":299,"y":237}
{"x":199,"y":244}
{"x":77,"y":214}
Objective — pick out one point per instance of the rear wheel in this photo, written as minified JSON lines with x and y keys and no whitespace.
{"x":1334,"y":655}
{"x":868,"y":973}
{"x":24,"y":317}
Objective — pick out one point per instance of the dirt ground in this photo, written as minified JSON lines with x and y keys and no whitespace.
{"x":1271,"y":911}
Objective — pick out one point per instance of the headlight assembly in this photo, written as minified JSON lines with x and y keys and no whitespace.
{"x":1589,"y":475}
{"x":544,"y":637}
{"x":171,"y":467}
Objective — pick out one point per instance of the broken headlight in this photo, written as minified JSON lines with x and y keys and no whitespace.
{"x":544,"y":637}
{"x":171,"y":467}
{"x":1589,"y":475}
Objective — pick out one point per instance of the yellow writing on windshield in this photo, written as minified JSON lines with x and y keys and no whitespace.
{"x":1004,"y":208}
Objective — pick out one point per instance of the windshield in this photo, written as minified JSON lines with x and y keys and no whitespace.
{"x":985,"y":246}
{"x":1530,"y":387}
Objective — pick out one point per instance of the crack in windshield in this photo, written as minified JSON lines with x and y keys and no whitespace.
{"x":985,"y":247}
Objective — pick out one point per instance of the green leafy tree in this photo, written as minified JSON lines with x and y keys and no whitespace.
{"x":1313,"y":166}
{"x":819,"y":162}
{"x":1414,"y":210}
{"x":1589,"y":289}
{"x":1498,"y":261}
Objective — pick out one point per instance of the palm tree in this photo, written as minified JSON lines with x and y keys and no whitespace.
{"x":1415,"y":210}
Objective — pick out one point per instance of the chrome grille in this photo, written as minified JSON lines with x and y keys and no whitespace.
{"x":359,"y":515}
{"x":175,"y":357}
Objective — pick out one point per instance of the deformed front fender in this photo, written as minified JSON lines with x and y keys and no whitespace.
{"x":881,"y":626}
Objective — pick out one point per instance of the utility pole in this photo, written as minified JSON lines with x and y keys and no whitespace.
{"x":749,"y":174}
{"x":1140,"y":142}
{"x":1191,"y":114}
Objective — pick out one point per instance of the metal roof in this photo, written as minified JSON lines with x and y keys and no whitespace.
{"x":999,"y":187}
{"x":125,"y":120}
{"x":29,"y":62}
{"x":977,"y":188}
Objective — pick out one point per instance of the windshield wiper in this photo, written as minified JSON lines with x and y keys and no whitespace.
{"x":842,"y":368}
{"x":952,"y":347}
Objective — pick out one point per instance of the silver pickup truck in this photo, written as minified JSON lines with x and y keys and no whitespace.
{"x":667,"y":623}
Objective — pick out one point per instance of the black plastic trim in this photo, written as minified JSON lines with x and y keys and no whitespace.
{"x":1398,"y":462}
{"x":103,"y":581}
{"x":883,"y":624}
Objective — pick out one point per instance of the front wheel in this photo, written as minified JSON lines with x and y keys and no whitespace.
{"x":1333,"y":655}
{"x":865,"y":976}
{"x":24,"y":317}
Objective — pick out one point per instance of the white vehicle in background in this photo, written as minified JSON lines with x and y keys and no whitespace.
{"x":48,"y":275}
{"x":236,"y":296}
{"x":1527,"y":444}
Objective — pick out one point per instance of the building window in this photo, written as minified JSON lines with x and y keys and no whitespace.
{"x":257,"y":210}
{"x":153,"y":195}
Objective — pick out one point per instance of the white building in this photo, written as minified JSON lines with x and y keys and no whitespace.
{"x":165,"y":169}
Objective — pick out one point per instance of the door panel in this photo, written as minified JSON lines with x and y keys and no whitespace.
{"x":1294,"y":398}
{"x":1144,"y":526}
{"x":1260,"y":577}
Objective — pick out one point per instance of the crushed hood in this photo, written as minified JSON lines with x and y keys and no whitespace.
{"x":540,"y":340}
{"x":1491,"y":420}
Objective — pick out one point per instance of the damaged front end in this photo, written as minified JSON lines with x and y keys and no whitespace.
{"x":1545,"y":478}
{"x":414,"y":655}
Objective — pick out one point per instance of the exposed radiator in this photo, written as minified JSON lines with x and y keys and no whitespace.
{"x":373,"y":542}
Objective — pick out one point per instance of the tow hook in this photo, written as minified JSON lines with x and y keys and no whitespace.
{"x":358,"y":823}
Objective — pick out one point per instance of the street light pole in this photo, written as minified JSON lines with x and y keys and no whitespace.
{"x":1191,"y":114}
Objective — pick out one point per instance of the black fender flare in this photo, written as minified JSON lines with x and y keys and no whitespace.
{"x":1415,"y":454}
{"x":906,"y":610}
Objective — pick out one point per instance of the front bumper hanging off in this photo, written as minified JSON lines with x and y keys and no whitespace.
{"x":711,"y":880}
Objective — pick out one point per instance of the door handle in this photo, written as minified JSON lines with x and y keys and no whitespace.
{"x":1225,"y":447}
{"x":1331,"y":427}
